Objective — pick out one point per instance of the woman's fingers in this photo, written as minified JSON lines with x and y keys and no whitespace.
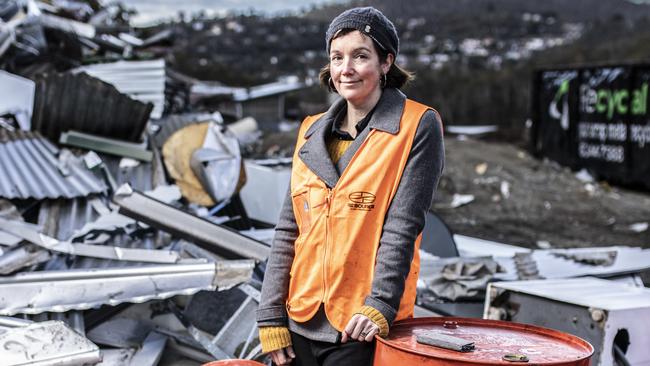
{"x":371,"y":334}
{"x":359,"y":330}
{"x":349,"y":328}
{"x":279,"y":356}
{"x":290,"y":352}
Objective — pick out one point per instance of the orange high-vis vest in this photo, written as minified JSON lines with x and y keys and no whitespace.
{"x":340,"y":228}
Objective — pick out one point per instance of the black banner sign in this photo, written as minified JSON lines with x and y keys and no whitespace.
{"x":595,"y":118}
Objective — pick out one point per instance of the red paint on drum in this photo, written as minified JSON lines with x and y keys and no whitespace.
{"x":493,"y":339}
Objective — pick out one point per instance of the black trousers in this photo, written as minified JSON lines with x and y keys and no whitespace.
{"x":315,"y":353}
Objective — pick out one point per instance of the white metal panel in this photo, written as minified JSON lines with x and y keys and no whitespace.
{"x":588,"y":292}
{"x":475,"y":247}
{"x":265,"y":191}
{"x":17,"y":98}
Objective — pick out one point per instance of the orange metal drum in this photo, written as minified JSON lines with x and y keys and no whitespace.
{"x":233,"y":363}
{"x":493,"y":340}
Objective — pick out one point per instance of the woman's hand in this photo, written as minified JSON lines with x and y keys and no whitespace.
{"x":283,"y":356}
{"x":360,"y":328}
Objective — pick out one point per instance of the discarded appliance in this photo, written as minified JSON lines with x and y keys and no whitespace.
{"x":215,"y":238}
{"x":265,"y":190}
{"x":495,"y":343}
{"x":614,"y":317}
{"x":82,"y":103}
{"x":141,"y":80}
{"x":34,"y":168}
{"x":17,"y":98}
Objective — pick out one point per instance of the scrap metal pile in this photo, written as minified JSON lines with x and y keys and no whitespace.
{"x":124,"y":237}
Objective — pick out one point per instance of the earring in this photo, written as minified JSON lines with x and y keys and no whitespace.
{"x":330,"y":85}
{"x":383,"y":81}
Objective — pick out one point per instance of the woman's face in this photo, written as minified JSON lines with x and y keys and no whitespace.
{"x":355,"y":67}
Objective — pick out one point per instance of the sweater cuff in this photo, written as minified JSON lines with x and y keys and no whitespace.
{"x":274,"y":338}
{"x":376,"y":317}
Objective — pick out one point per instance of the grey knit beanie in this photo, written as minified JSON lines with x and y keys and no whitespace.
{"x":368,"y":21}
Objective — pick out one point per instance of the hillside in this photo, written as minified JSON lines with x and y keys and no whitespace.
{"x":473,"y":59}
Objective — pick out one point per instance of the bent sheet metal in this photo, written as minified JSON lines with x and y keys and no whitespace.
{"x":59,"y":291}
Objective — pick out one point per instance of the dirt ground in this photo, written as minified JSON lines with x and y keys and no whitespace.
{"x":540,"y":201}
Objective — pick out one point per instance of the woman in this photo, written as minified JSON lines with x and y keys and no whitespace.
{"x":344,"y":262}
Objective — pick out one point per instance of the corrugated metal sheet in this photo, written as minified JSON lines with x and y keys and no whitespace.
{"x":83,"y":103}
{"x":142,"y":80}
{"x":29,"y":168}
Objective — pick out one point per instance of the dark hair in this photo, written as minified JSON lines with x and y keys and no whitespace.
{"x":396,"y":77}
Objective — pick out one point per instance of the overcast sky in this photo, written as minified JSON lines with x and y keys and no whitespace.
{"x":151,"y":10}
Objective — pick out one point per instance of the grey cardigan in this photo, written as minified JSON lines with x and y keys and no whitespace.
{"x":404,"y":219}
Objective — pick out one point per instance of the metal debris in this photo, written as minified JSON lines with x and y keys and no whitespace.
{"x":459,"y":278}
{"x":526,"y":267}
{"x":216,"y":238}
{"x":31,"y":169}
{"x":88,"y":250}
{"x":82,"y":103}
{"x":151,"y":351}
{"x":46,"y":343}
{"x":265,"y":190}
{"x":217,"y":163}
{"x":86,"y":288}
{"x":120,"y":333}
{"x":106,"y":145}
{"x":141,"y":80}
{"x":17,"y":98}
{"x":595,"y":258}
{"x":78,"y":259}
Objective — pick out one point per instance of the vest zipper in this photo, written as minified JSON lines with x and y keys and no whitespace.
{"x":328,"y":201}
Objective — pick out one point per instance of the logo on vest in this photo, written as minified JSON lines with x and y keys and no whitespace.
{"x":364,"y":201}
